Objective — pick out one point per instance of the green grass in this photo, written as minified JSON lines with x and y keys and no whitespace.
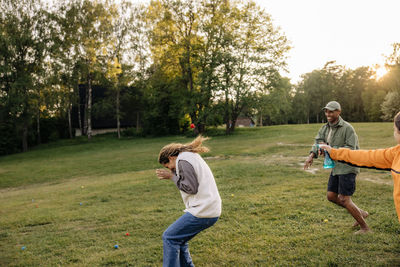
{"x":273,"y":211}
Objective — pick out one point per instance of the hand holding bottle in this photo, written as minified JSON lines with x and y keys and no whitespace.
{"x":328,"y":162}
{"x":325,"y":147}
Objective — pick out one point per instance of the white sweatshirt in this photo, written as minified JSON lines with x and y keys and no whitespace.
{"x":206,"y":203}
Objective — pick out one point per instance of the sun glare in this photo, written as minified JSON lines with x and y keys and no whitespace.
{"x":380,"y":72}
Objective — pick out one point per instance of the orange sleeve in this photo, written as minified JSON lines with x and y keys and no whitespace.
{"x":380,"y":158}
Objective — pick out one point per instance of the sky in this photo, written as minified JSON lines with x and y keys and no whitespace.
{"x":354,"y":33}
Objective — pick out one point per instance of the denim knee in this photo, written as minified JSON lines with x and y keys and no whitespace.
{"x":166,"y":237}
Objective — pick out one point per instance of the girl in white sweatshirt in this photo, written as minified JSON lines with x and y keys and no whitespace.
{"x":200,"y":195}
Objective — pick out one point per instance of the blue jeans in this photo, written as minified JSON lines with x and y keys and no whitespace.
{"x":177,"y":235}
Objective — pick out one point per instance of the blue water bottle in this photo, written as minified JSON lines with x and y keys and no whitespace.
{"x":328,"y":162}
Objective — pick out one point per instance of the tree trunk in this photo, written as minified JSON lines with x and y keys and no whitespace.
{"x":25,"y":137}
{"x":227,"y":126}
{"x":201,"y":127}
{"x":137,"y":122}
{"x":39,"y":139}
{"x":228,"y":121}
{"x":261,"y":123}
{"x":79,"y":110}
{"x":226,"y":116}
{"x":80,"y":118}
{"x":232,"y":129}
{"x":118,"y":114}
{"x":190,"y":76}
{"x":234,"y":115}
{"x":85,"y":114}
{"x":89,"y":108}
{"x":69,"y":121}
{"x":231,"y":126}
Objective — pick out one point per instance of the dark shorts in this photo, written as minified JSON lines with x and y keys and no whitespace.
{"x":342,"y":184}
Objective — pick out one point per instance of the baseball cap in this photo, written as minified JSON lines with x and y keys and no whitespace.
{"x":332,"y":105}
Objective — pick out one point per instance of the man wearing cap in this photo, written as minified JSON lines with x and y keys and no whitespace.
{"x":342,"y":180}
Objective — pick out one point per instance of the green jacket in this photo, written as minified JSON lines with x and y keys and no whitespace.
{"x":342,"y":135}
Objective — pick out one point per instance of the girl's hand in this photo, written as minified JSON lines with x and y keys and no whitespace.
{"x":325,"y":147}
{"x":164,"y":174}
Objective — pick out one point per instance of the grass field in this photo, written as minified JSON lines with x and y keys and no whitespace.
{"x":69,"y":203}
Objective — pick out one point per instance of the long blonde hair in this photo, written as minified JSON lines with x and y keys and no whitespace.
{"x":397,"y":121}
{"x":174,"y":149}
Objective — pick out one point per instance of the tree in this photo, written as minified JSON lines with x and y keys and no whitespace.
{"x":127,"y":46}
{"x":373,"y":96}
{"x":93,"y":34}
{"x":314,"y":92}
{"x":335,"y":82}
{"x":299,"y":108}
{"x":66,"y":59}
{"x":25,"y":41}
{"x":390,"y":107}
{"x":174,"y":42}
{"x":253,"y":52}
{"x":278,"y":103}
{"x":212,"y":15}
{"x":164,"y":102}
{"x":391,"y":82}
{"x":350,"y":87}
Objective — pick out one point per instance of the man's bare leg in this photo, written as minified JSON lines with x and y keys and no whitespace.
{"x":364,"y":213}
{"x":347,"y":203}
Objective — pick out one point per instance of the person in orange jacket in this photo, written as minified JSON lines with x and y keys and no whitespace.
{"x":386,"y":159}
